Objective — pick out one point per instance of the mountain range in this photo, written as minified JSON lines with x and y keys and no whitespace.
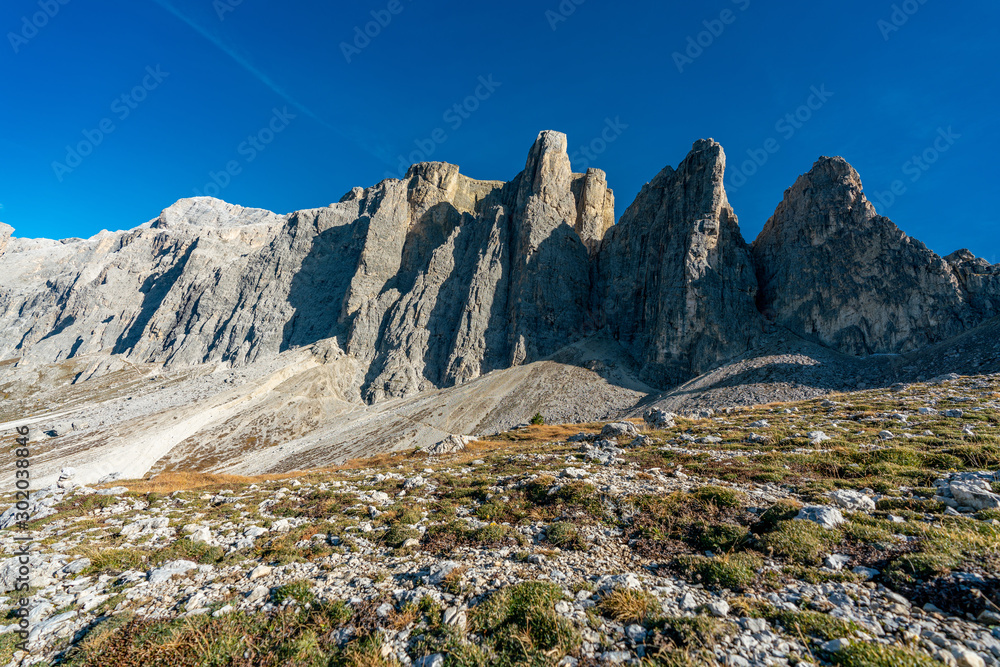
{"x":223,"y":338}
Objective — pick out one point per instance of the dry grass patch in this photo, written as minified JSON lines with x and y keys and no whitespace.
{"x":627,"y":606}
{"x":169,"y":482}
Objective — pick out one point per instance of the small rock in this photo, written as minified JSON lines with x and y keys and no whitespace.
{"x":828,"y":517}
{"x":836,"y":645}
{"x":688,"y":602}
{"x":636,"y":633}
{"x":866,"y":572}
{"x":441,"y":570}
{"x":966,"y":658}
{"x":719,"y":608}
{"x":853,"y":500}
{"x":433,"y":660}
{"x":836,"y":562}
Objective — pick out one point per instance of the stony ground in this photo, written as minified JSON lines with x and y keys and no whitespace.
{"x":862,"y":529}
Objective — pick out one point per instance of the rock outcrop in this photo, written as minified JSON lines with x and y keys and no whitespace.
{"x":980,"y":280}
{"x":5,"y":232}
{"x":833,"y":270}
{"x":677,"y":283}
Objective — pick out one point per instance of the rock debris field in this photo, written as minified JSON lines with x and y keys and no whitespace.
{"x":857,"y":529}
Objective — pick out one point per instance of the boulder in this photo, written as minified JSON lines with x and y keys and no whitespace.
{"x":974,"y":495}
{"x":619,"y":430}
{"x":850,"y":499}
{"x":828,"y":517}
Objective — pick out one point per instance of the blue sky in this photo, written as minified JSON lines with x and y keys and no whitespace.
{"x":261,"y":104}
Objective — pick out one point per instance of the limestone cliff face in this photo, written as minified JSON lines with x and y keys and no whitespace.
{"x":833,"y":270}
{"x":428,"y":281}
{"x":980,"y":280}
{"x":436,"y":279}
{"x":676,"y":281}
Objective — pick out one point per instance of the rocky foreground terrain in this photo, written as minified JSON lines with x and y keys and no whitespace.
{"x":860,"y":529}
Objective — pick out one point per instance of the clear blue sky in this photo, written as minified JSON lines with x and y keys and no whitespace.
{"x":225,"y":66}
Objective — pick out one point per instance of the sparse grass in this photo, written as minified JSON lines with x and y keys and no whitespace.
{"x":185,"y":549}
{"x":398,"y":534}
{"x":720,"y":496}
{"x":722,"y":537}
{"x":302,"y":637}
{"x":565,"y":536}
{"x":685,"y":642}
{"x":114,"y":561}
{"x":866,"y":654}
{"x":299,"y":591}
{"x":169,"y":482}
{"x":520,"y":626}
{"x":811,"y":624}
{"x":733,"y":571}
{"x":628,"y":606}
{"x":802,"y":542}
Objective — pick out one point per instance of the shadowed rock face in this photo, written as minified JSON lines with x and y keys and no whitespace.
{"x":831,"y":269}
{"x":428,"y":281}
{"x":676,"y":281}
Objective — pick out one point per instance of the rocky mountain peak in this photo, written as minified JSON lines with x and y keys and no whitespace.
{"x":826,"y":201}
{"x":830,"y":268}
{"x":677,"y":284}
{"x":210,"y":212}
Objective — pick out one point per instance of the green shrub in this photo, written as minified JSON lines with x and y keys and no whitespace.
{"x":398,"y":534}
{"x":565,"y":536}
{"x":802,"y":542}
{"x":521,"y":625}
{"x":491,"y":511}
{"x":299,"y":591}
{"x":866,"y":654}
{"x":813,"y":624}
{"x":729,"y":571}
{"x":538,"y":419}
{"x":783,"y":510}
{"x":722,"y":537}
